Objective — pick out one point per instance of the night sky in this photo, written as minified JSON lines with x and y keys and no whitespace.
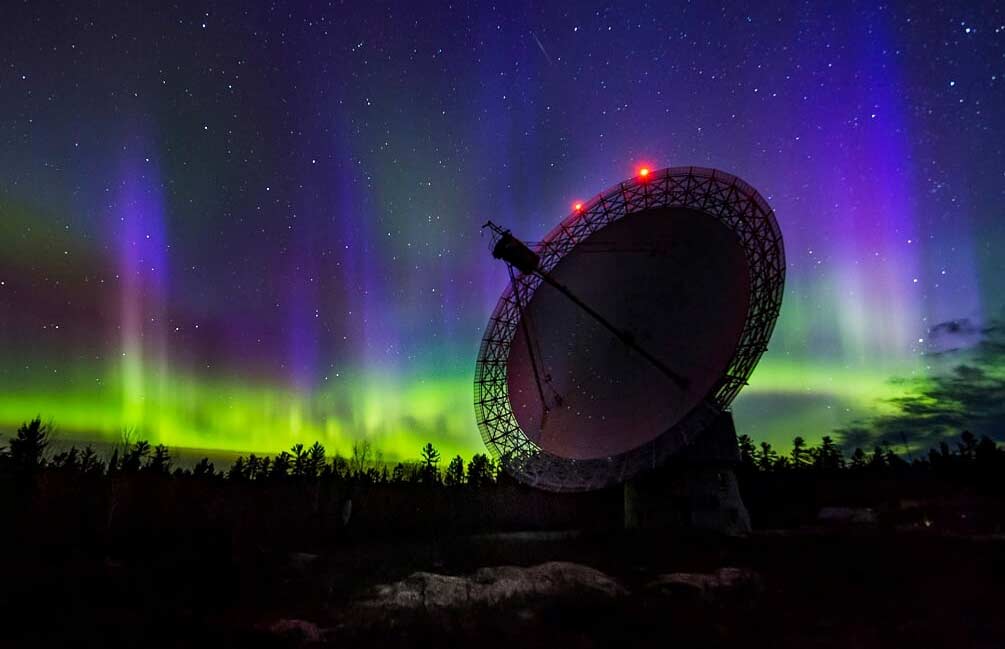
{"x":239,"y":226}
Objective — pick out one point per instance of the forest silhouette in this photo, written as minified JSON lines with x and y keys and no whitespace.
{"x":145,"y":553}
{"x":429,"y":494}
{"x":26,"y":454}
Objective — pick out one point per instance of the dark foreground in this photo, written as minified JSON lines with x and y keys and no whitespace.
{"x":849,"y":587}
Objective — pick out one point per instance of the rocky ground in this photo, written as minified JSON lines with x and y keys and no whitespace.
{"x":806,"y":589}
{"x":849,"y":587}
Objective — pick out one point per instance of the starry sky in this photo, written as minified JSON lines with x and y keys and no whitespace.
{"x":242,"y":225}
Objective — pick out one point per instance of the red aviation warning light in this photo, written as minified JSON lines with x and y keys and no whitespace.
{"x":577,"y":206}
{"x":644,"y":173}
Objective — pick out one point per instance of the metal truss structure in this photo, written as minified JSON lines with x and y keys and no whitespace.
{"x":721,"y":196}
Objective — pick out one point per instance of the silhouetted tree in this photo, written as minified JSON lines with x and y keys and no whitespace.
{"x":280,"y":466}
{"x":65,"y":461}
{"x":800,"y":456}
{"x":160,"y":461}
{"x":767,"y":458}
{"x":828,"y":457}
{"x":315,"y":460}
{"x":204,"y":469}
{"x":27,"y":449}
{"x":941,"y":459}
{"x":878,"y":460}
{"x":238,"y":470}
{"x":747,"y":452}
{"x":340,"y":467}
{"x":398,"y":474}
{"x":299,"y":460}
{"x":264,"y":469}
{"x":454,"y":475}
{"x":430,"y":464}
{"x":360,"y":456}
{"x":134,"y":456}
{"x":987,"y":454}
{"x":858,"y":459}
{"x":892,"y":460}
{"x":480,"y":471}
{"x":967,"y":446}
{"x":251,"y":467}
{"x":90,"y":463}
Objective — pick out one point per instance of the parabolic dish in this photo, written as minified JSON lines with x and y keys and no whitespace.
{"x":690,"y":263}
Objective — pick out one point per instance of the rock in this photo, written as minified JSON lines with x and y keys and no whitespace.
{"x":301,"y":630}
{"x":493,"y":587}
{"x":554,"y":579}
{"x":847,"y":515}
{"x":435,"y":591}
{"x":406,"y":594}
{"x":708,"y":587}
{"x":683,"y":585}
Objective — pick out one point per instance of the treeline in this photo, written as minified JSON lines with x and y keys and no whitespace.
{"x":27,"y":452}
{"x":135,"y":496}
{"x":303,"y":497}
{"x":966,"y":456}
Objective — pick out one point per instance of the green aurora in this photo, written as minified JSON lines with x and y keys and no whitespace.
{"x":397,"y":414}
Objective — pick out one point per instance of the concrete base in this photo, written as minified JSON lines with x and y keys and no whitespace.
{"x":697,"y":490}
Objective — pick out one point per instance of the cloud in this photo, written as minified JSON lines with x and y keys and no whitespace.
{"x":968,"y":393}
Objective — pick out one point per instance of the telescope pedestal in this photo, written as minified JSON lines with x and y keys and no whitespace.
{"x":697,"y":490}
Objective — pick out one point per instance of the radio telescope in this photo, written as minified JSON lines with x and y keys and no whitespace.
{"x":625,"y":334}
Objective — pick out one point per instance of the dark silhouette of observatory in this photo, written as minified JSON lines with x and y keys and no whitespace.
{"x":622,"y":339}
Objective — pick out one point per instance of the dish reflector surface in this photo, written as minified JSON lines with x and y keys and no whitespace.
{"x":677,"y":281}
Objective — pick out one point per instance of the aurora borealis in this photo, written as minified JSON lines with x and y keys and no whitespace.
{"x":243,"y":225}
